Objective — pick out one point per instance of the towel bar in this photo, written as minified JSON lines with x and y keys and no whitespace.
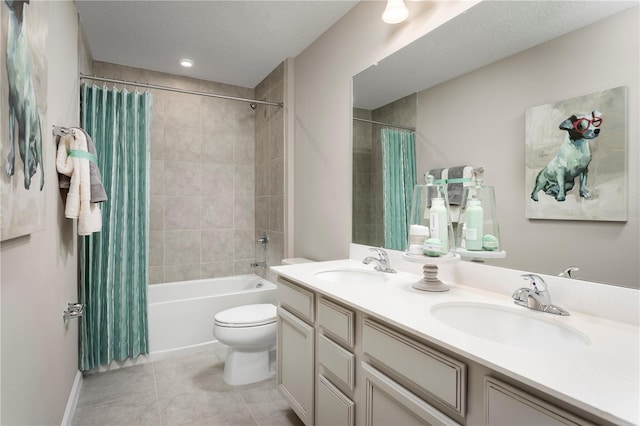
{"x":61,"y":131}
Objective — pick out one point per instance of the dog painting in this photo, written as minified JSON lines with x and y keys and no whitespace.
{"x":23,"y":65}
{"x":576,"y":158}
{"x":572,"y":159}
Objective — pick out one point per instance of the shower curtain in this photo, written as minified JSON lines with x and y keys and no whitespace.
{"x":113,"y":263}
{"x":398,"y":180}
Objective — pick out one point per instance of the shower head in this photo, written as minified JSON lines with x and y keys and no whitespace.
{"x":253,"y":105}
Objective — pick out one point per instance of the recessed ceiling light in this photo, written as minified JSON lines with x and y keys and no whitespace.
{"x":187,"y":63}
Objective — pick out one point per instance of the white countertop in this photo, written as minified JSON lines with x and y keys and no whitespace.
{"x":603,"y":378}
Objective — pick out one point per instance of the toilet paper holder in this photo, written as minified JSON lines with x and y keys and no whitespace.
{"x":74,"y":310}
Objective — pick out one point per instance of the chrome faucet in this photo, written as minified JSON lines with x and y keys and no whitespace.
{"x":382,"y":261}
{"x":537,"y":296}
{"x":569,"y":272}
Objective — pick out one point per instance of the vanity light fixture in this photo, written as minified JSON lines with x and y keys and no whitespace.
{"x":395,"y":12}
{"x":187,"y":63}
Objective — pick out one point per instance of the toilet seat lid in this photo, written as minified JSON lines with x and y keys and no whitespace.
{"x":248,"y":315}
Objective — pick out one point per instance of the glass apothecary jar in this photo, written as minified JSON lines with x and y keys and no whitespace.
{"x":430,"y":230}
{"x":478,"y":231}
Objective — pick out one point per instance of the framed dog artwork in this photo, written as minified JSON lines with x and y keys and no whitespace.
{"x":576,"y":158}
{"x":23,"y":103}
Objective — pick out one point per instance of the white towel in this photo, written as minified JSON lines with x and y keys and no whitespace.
{"x":78,"y":203}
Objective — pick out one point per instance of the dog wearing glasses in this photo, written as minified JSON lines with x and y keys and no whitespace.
{"x":572,"y":160}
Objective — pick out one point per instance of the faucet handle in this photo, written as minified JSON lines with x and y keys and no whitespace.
{"x":536,"y":282}
{"x":568,"y":273}
{"x":380,"y":252}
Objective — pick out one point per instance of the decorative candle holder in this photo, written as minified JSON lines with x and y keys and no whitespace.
{"x":431,"y":239}
{"x":478,"y":231}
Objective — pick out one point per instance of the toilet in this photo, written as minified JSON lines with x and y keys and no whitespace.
{"x":250,"y":333}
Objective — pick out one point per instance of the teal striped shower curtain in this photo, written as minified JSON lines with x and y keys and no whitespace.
{"x":113,"y":263}
{"x":398,"y":180}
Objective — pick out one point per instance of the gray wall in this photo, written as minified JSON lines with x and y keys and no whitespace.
{"x":39,"y":271}
{"x":206,"y":154}
{"x":478,"y":119}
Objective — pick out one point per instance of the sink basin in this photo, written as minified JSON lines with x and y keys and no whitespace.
{"x":509,"y":326}
{"x":351,"y":275}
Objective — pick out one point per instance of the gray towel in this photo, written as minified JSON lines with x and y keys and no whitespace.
{"x":98,"y":194}
{"x":436,"y":173}
{"x":455,"y":189}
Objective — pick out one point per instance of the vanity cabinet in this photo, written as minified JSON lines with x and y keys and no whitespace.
{"x":506,"y":405}
{"x":336,"y":375}
{"x":295,"y":349}
{"x":386,"y":403}
{"x":338,"y":366}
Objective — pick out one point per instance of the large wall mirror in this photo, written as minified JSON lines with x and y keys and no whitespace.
{"x":463,"y":90}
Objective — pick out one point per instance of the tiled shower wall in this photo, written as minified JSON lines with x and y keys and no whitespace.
{"x":366,"y":222}
{"x":269,"y":168}
{"x":203,"y":192}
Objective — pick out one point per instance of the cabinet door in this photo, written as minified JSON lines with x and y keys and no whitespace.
{"x":506,"y":405}
{"x":295,"y":364}
{"x":388,"y":403}
{"x":333,"y":408}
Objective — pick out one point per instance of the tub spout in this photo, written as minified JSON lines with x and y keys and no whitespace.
{"x":256,"y":264}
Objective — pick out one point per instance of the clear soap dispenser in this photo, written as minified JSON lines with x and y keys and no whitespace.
{"x":430,"y":228}
{"x":478,"y":231}
{"x":431,"y":238}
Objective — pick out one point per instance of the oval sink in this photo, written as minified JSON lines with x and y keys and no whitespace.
{"x":509,"y":326}
{"x":347,"y":275}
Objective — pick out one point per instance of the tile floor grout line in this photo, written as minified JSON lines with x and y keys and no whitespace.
{"x":248,"y":408}
{"x":155,"y":386}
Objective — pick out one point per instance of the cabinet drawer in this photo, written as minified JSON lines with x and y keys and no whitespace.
{"x":333,"y":408}
{"x":337,"y":322}
{"x":507,"y":405}
{"x":339,"y":364}
{"x":296,"y":299}
{"x":388,"y":403}
{"x":409,"y":361}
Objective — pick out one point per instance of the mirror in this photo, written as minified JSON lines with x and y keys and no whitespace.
{"x":471,"y":81}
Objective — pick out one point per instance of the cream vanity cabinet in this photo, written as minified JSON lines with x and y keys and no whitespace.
{"x":340,"y":367}
{"x":336,"y":364}
{"x":295,"y":348}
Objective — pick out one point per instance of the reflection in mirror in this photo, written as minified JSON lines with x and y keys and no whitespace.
{"x":368,"y":159}
{"x":471,"y":81}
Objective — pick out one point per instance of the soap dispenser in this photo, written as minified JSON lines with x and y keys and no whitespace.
{"x":478,"y":231}
{"x":430,"y":220}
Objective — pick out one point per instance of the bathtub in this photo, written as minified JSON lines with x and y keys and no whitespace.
{"x":180,"y":314}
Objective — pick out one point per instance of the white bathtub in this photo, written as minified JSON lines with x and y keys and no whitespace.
{"x":181,"y":314}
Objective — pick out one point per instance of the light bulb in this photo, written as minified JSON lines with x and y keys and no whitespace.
{"x":187,"y":63}
{"x":395,"y":12}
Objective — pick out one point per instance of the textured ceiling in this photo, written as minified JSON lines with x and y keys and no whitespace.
{"x":235,"y":42}
{"x":485,"y":33}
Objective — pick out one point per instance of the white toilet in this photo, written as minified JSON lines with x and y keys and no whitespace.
{"x":250,"y":333}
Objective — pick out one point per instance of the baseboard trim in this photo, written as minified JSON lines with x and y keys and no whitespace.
{"x":72,"y":402}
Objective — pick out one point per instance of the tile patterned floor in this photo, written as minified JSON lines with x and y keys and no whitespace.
{"x":186,"y":390}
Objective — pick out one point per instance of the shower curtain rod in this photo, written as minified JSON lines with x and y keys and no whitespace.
{"x":384,"y":124}
{"x":175,"y":89}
